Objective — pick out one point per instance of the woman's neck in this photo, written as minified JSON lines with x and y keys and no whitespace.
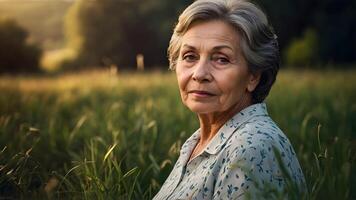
{"x":211,"y":123}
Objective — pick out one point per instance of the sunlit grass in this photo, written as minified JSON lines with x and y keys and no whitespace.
{"x":108,"y":135}
{"x":93,"y":79}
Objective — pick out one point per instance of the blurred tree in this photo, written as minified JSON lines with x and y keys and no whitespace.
{"x":114,"y":31}
{"x":109,"y":32}
{"x":289,"y":18}
{"x":16,"y":55}
{"x":333,"y":21}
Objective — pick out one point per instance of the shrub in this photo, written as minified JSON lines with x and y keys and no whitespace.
{"x":303,"y":51}
{"x":16,"y":54}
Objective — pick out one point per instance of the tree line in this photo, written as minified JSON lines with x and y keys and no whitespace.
{"x":311,"y":33}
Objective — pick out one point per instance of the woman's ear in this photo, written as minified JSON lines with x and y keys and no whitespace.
{"x":253,"y":80}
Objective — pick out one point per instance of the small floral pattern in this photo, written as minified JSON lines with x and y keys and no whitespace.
{"x":240,"y":160}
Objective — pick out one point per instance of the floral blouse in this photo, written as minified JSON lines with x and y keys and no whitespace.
{"x":238,"y":162}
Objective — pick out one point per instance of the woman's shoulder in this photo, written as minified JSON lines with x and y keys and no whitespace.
{"x":261,"y":150}
{"x":260,"y":134}
{"x":253,"y":126}
{"x":259,"y":129}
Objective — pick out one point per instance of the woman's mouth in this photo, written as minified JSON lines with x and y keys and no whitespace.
{"x":201,"y":93}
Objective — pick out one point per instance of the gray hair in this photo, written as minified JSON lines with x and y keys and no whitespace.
{"x":258,"y":43}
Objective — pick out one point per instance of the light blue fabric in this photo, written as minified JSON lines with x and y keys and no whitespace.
{"x":239,"y":156}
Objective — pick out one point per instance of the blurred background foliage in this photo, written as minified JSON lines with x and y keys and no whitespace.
{"x":80,"y":34}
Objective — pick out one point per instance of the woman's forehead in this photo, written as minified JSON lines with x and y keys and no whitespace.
{"x":212,"y":34}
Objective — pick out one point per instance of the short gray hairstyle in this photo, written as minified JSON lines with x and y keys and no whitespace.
{"x":258,"y":43}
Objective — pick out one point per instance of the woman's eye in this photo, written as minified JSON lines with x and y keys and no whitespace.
{"x":190,"y":57}
{"x":221,"y":60}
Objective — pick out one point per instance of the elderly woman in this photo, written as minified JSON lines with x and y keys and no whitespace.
{"x":226,"y":59}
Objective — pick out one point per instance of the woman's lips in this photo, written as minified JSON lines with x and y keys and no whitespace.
{"x":201,"y":93}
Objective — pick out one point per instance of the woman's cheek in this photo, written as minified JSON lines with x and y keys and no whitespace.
{"x":183,"y":78}
{"x":182,"y":83}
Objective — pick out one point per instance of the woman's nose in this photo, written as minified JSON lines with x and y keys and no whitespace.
{"x":202,"y":71}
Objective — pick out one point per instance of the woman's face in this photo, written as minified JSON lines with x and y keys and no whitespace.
{"x":212,"y":73}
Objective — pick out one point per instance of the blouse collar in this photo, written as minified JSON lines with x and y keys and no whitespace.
{"x":226,"y":131}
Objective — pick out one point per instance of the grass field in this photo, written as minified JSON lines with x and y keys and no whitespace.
{"x":97,"y":135}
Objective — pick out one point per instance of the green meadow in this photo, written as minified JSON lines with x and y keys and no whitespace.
{"x":102,"y":135}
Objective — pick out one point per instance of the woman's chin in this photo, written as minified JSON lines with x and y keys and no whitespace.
{"x":201,"y":109}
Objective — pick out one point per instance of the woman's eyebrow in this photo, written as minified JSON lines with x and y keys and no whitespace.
{"x":216,"y":48}
{"x":187,"y":46}
{"x":222,"y":47}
